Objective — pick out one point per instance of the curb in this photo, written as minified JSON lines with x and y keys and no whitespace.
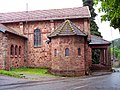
{"x":101,"y":74}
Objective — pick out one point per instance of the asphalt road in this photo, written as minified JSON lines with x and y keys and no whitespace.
{"x":105,"y":82}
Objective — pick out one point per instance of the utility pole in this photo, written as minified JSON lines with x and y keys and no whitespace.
{"x":113,"y":50}
{"x":27,"y":32}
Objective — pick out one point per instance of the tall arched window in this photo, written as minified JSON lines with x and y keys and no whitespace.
{"x":79,"y":52}
{"x":11,"y":50}
{"x":16,"y":50}
{"x":19,"y":50}
{"x":37,"y":37}
{"x":67,"y":52}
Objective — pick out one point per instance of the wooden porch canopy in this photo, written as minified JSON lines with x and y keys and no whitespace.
{"x":99,"y":43}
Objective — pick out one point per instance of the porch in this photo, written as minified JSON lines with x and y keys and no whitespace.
{"x":101,"y":56}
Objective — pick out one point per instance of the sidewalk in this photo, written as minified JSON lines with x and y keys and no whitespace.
{"x":43,"y":78}
{"x":100,"y":73}
{"x":52,"y":78}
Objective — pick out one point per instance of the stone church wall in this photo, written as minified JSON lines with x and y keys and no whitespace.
{"x":3,"y":50}
{"x":40,"y":56}
{"x":72,"y":64}
{"x":20,"y":59}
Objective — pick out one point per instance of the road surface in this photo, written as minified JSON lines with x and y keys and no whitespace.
{"x":105,"y":82}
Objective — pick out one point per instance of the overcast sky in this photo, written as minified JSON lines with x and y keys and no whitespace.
{"x":20,"y":5}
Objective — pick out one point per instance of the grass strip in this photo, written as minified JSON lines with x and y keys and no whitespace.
{"x":9,"y":73}
{"x":26,"y":70}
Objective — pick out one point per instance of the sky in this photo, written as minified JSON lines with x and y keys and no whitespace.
{"x":107,"y":32}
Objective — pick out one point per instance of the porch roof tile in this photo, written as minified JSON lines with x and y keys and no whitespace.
{"x":96,"y":40}
{"x":4,"y":29}
{"x":67,"y":28}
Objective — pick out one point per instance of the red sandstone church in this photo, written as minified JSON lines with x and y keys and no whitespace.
{"x":58,"y":39}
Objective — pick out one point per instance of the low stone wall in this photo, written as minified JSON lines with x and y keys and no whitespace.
{"x":99,"y":67}
{"x":69,"y":73}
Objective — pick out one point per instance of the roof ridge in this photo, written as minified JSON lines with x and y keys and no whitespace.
{"x":67,"y":28}
{"x":40,"y":15}
{"x":77,"y":27}
{"x":70,"y":23}
{"x":43,"y":10}
{"x":62,"y":25}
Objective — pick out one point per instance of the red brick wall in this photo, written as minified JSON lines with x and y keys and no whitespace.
{"x":40,"y":57}
{"x":72,"y":63}
{"x":37,"y":56}
{"x":17,"y":60}
{"x":88,"y":55}
{"x":7,"y":61}
{"x":2,"y":59}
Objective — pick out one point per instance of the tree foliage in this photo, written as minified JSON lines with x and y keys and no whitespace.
{"x":116,"y":43}
{"x":115,"y":48}
{"x":93,"y":29}
{"x":95,"y":56}
{"x":93,"y":26}
{"x":116,"y":52}
{"x":111,"y":9}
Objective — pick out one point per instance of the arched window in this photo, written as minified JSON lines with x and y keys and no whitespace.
{"x":67,"y":52}
{"x":19,"y":50}
{"x":55,"y":52}
{"x":16,"y":50}
{"x":12,"y":50}
{"x":79,"y":52}
{"x":37,"y":37}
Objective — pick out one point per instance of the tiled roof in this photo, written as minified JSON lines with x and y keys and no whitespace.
{"x":95,"y":40}
{"x":65,"y":29}
{"x":52,"y":14}
{"x":4,"y":29}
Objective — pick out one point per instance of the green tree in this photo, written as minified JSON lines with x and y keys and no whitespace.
{"x":111,"y":9}
{"x":93,"y":29}
{"x":116,"y":52}
{"x":116,"y":43}
{"x":93,"y":26}
{"x":95,"y":56}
